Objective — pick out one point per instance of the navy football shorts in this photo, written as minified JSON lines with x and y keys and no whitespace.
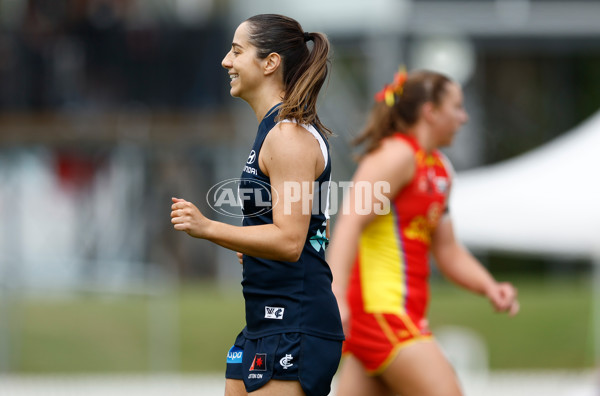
{"x":290,"y":356}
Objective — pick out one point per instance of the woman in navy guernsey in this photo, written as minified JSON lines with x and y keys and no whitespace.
{"x":292,"y":341}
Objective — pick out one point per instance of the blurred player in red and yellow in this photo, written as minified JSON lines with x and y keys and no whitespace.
{"x":380,"y":262}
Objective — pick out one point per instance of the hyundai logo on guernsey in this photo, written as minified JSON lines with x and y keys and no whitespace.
{"x":227,"y":197}
{"x":251,"y":157}
{"x":274,"y":312}
{"x":235,"y":355}
{"x":250,"y":161}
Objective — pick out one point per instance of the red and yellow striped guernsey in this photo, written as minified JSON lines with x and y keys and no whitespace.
{"x":389,"y":280}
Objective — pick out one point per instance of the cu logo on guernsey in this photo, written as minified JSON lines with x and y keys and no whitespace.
{"x":228,"y":197}
{"x":274,"y":312}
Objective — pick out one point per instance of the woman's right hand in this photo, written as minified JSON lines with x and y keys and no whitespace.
{"x":185,"y":216}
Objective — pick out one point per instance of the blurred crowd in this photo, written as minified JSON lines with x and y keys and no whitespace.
{"x":72,"y":55}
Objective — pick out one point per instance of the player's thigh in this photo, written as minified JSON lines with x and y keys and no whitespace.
{"x":354,"y":381}
{"x":421,"y":369}
{"x":279,"y":388}
{"x":234,"y":387}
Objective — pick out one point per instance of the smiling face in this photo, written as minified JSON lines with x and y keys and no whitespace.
{"x":243,"y":66}
{"x":450,"y":115}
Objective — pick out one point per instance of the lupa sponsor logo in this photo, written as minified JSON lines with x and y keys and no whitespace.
{"x":235,"y":355}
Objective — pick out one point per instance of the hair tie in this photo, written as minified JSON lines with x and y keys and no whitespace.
{"x":307,"y":37}
{"x":391,"y":91}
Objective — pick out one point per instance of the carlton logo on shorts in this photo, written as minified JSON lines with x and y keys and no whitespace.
{"x":274,"y":312}
{"x":259,"y":363}
{"x":286,"y":361}
{"x":235,"y":355}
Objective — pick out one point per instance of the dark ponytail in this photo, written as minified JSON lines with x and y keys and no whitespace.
{"x":304,"y":70}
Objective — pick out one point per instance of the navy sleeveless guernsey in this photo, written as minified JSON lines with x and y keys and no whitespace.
{"x":280,"y":296}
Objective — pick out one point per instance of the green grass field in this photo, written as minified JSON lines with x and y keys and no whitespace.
{"x":93,"y":334}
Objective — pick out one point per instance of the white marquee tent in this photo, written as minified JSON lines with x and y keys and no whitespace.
{"x":546,"y":201}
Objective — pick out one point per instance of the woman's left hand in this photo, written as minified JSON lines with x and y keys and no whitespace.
{"x":185,"y":216}
{"x":503,"y":297}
